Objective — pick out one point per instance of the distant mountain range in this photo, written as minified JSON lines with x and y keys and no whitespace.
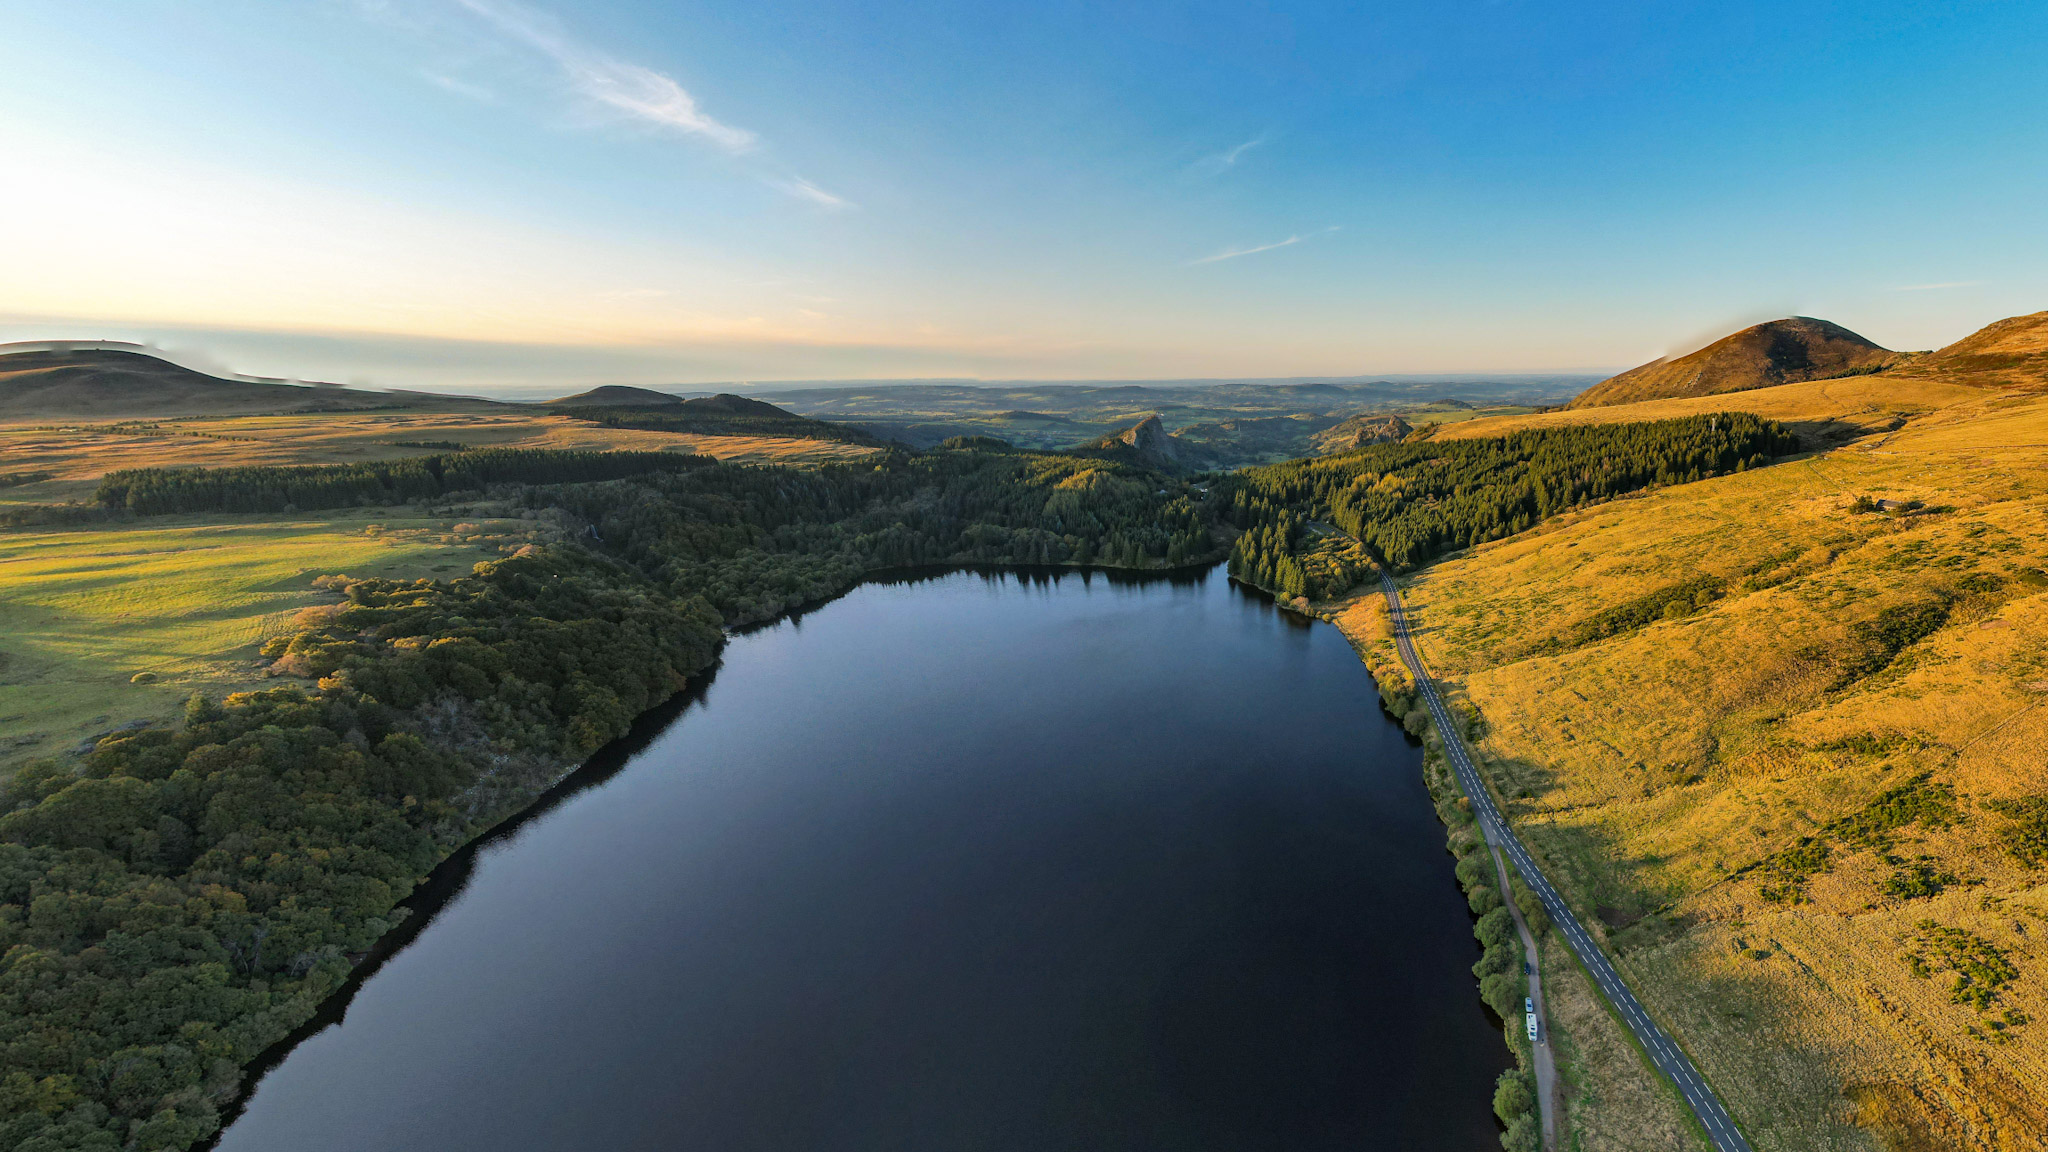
{"x":1200,"y":424}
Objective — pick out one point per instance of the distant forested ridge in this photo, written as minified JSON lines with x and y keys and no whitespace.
{"x":156,"y":491}
{"x":1411,"y":501}
{"x":719,"y":416}
{"x":755,"y":541}
{"x":182,"y":898}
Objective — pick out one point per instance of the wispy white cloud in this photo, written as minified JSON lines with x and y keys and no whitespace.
{"x":638,"y":92}
{"x":1226,"y":159}
{"x":1937,"y":287}
{"x":1234,"y":253}
{"x":462,"y":88}
{"x":805,"y":190}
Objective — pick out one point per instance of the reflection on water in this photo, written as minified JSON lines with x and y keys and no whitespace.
{"x":994,"y":860}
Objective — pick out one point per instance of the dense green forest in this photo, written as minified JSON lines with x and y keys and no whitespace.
{"x":156,"y":491}
{"x":755,"y":541}
{"x":181,"y":898}
{"x":1412,"y":501}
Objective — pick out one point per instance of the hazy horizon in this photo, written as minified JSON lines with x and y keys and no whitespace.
{"x":525,"y":372}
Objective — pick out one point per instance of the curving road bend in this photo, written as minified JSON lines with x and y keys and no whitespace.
{"x":1666,"y":1055}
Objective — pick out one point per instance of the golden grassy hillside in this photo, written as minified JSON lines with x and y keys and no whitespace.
{"x":1817,"y":409}
{"x":1787,"y":755}
{"x":78,"y":454}
{"x":1777,"y":352}
{"x":107,"y":383}
{"x":2010,"y":353}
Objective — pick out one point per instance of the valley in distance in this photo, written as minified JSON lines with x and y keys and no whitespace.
{"x":1746,"y":646}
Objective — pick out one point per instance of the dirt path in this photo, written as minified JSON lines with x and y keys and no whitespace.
{"x":1547,"y":1099}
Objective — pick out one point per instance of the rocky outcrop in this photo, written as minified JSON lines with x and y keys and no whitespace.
{"x":1360,"y":432}
{"x":1145,"y":444}
{"x":1149,"y":439}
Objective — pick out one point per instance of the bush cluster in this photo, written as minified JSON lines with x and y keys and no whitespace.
{"x":1918,"y":800}
{"x":1672,"y":602}
{"x":1514,"y":1101}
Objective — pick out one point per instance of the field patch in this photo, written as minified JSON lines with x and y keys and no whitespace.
{"x":66,"y":460}
{"x":105,"y":627}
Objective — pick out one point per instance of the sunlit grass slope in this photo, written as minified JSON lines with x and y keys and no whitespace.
{"x":1849,"y":406}
{"x":186,"y":603}
{"x":1770,"y":741}
{"x":77,"y":454}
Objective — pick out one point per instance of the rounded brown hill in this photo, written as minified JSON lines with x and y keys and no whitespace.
{"x":111,"y":383}
{"x":1778,"y":352}
{"x":615,"y":396}
{"x":2009,"y":353}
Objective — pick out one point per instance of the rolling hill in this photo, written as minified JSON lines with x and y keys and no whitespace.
{"x":1787,"y":351}
{"x":103,"y":383}
{"x":2009,"y":353}
{"x":616,"y":396}
{"x":722,"y":415}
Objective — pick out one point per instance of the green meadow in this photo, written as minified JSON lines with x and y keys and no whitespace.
{"x":183,"y":603}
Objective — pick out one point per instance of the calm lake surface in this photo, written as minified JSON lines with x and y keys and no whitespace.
{"x":968,"y":862}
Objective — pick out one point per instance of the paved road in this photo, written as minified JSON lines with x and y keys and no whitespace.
{"x":1672,"y":1062}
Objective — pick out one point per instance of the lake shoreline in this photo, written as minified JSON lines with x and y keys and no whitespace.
{"x":450,"y":878}
{"x":445,"y":881}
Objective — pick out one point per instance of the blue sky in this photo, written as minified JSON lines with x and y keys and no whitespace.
{"x":499,"y":193}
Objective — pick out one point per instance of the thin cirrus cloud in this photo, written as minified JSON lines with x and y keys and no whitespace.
{"x":631,"y":89}
{"x":1937,"y":287}
{"x":805,"y":190}
{"x":463,"y":88}
{"x":640,"y":92}
{"x":1228,"y":158}
{"x":1234,"y":253}
{"x":636,"y":91}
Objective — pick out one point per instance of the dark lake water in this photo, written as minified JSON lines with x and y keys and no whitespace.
{"x":969,"y":862}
